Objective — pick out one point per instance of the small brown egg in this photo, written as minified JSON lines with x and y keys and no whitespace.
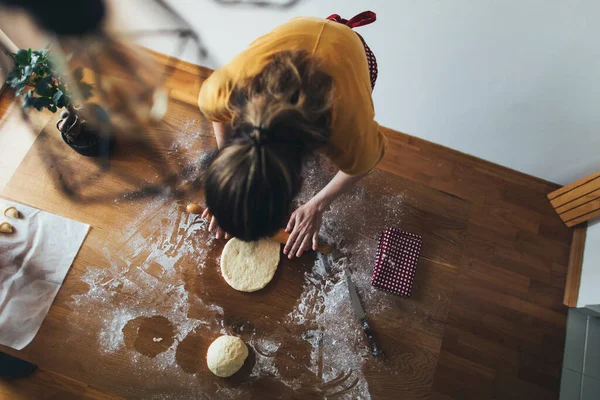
{"x":194,"y":209}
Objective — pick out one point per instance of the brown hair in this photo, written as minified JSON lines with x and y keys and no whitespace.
{"x":277,"y":116}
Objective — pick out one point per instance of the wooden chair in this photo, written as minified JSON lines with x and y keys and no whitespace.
{"x":578,"y":202}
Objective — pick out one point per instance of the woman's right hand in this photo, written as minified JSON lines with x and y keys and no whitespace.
{"x":214,"y":226}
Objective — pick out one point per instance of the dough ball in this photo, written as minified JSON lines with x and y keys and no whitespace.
{"x":6,"y":227}
{"x":226,"y":355}
{"x":249,"y":266}
{"x":11,"y":212}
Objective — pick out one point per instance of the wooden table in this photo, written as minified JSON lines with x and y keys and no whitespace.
{"x":147,"y":271}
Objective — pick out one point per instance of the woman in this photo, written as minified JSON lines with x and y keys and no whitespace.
{"x":305,"y":86}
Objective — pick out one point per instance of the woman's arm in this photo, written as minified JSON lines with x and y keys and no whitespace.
{"x":305,"y":222}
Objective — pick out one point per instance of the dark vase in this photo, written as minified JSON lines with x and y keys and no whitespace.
{"x":90,"y":142}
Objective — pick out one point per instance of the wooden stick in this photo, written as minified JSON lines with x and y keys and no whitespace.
{"x":282,"y":236}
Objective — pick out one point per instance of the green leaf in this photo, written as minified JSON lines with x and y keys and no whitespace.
{"x":12,"y":78}
{"x":28,"y":100}
{"x":41,"y":102}
{"x":27,"y":71}
{"x":39,"y":53}
{"x":57,"y":96}
{"x":22,"y":57}
{"x":15,"y":82}
{"x":62,"y":102}
{"x":45,"y":87}
{"x":44,"y":72}
{"x":78,"y":74}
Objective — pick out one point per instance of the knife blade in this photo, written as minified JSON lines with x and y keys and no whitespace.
{"x":359,"y":311}
{"x":323,"y":261}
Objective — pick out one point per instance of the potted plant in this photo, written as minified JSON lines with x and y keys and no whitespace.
{"x":35,"y":77}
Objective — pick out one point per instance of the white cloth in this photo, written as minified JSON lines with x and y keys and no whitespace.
{"x":34,"y":261}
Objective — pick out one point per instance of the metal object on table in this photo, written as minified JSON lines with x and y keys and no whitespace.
{"x":362,"y":317}
{"x":323,"y":260}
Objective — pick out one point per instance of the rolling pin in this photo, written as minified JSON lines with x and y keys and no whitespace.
{"x":281,"y":236}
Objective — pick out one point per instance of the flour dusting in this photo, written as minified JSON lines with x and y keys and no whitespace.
{"x":339,"y":350}
{"x":144,"y":275}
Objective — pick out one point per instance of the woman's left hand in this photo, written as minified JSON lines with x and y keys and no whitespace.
{"x":304,"y":227}
{"x":214,"y":226}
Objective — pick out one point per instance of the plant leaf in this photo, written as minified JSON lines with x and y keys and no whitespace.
{"x":12,"y":78}
{"x":52,"y":108}
{"x":41,"y":102}
{"x":60,"y":103}
{"x":28,"y":100}
{"x":22,"y":57}
{"x":57,"y":96}
{"x":45,"y":87}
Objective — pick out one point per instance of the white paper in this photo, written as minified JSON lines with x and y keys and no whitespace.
{"x":34,"y":261}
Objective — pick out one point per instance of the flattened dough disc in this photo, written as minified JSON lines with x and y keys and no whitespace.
{"x":249,"y":266}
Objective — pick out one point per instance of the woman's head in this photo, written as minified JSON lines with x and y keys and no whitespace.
{"x":278,"y":116}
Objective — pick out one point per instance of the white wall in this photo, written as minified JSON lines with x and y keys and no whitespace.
{"x":589,"y":290}
{"x":516,"y":82}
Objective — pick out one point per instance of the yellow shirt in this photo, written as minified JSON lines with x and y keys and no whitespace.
{"x":356,"y":144}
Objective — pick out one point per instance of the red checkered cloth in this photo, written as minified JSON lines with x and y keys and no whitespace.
{"x":364,"y":18}
{"x":396,"y":261}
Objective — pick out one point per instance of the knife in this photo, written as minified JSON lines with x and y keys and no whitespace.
{"x":362,"y":318}
{"x":323,"y":261}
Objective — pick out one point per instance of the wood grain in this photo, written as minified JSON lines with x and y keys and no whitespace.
{"x":572,"y":186}
{"x":511,"y":280}
{"x":43,"y":385}
{"x":486,"y":320}
{"x":579,"y":201}
{"x":575,"y":265}
{"x":411,"y":331}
